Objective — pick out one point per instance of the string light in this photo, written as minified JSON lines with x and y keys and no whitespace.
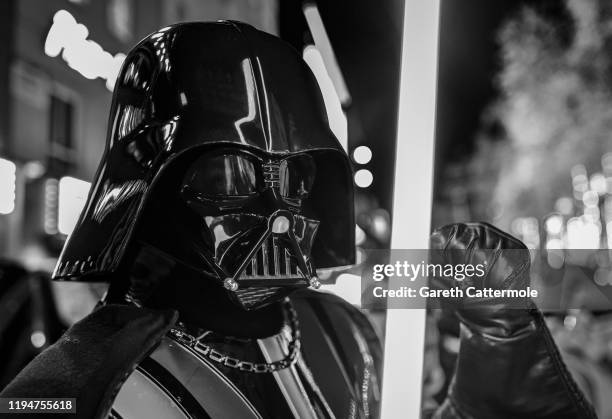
{"x":69,"y":38}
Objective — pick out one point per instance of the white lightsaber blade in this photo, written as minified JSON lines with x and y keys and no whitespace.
{"x":405,"y":329}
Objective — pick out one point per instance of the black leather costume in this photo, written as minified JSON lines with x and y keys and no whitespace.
{"x":221,"y":193}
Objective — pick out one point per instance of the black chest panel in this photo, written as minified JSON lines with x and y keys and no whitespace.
{"x":336,"y":374}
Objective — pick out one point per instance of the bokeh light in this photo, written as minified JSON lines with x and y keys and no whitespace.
{"x":362,"y":154}
{"x":363,"y":178}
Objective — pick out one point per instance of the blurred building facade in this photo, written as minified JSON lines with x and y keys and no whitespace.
{"x":56,"y":78}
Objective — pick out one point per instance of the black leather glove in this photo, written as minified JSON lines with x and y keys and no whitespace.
{"x":508,"y":365}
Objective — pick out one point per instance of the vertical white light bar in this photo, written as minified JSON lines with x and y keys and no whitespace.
{"x":405,"y":329}
{"x":321,"y":40}
{"x":8,"y":178}
{"x":335,"y":114}
{"x":72,"y":195}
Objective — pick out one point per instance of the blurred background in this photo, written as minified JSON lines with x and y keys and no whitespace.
{"x":524,"y":115}
{"x":523,"y":141}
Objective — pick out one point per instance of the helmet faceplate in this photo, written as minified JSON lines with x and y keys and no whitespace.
{"x":218,"y":130}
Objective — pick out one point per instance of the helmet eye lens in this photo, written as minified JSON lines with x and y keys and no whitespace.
{"x":237,"y":175}
{"x":223,"y":175}
{"x":296,"y":177}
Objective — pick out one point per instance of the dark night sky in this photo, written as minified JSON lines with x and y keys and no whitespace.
{"x":468,"y":62}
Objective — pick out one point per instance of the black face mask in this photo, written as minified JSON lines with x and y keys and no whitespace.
{"x":256,"y":228}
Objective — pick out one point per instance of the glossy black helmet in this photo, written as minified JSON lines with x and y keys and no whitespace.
{"x":219,"y":155}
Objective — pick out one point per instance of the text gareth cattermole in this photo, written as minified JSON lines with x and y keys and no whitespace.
{"x":412,"y":271}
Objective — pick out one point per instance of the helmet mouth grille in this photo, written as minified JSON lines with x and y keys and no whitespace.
{"x":272,"y":261}
{"x":271,"y":273}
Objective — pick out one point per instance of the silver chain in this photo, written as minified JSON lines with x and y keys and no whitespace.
{"x":183,"y":337}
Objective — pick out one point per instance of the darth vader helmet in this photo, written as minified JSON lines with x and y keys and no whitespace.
{"x":219,"y":155}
